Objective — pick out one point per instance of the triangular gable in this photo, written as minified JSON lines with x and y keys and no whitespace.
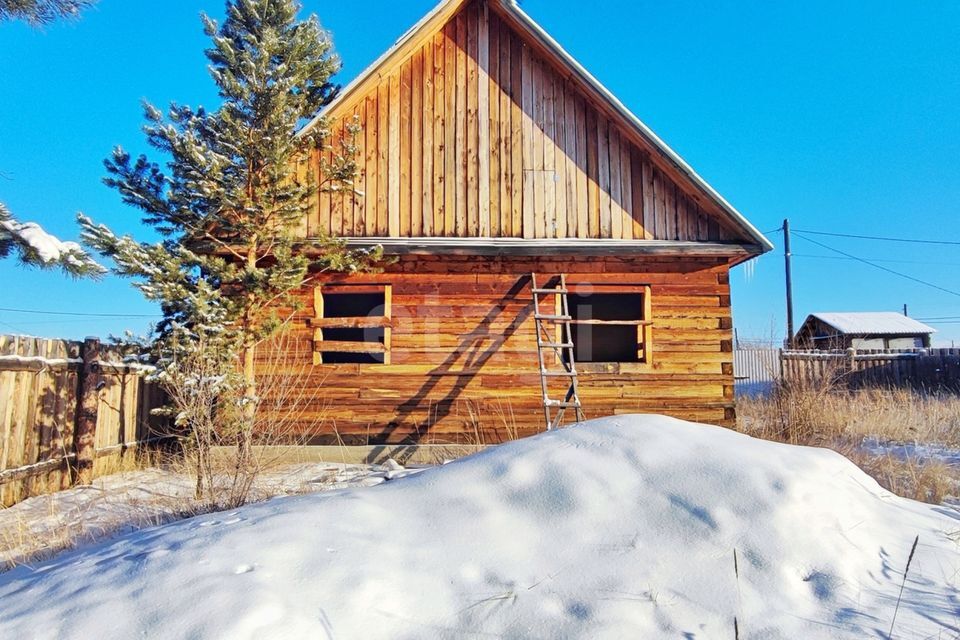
{"x":652,"y":193}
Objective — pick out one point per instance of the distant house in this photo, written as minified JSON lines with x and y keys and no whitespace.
{"x":862,"y":330}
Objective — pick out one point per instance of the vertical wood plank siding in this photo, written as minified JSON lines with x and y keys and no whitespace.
{"x":476,"y":134}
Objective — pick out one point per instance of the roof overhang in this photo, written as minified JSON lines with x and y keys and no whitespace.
{"x":518,"y":18}
{"x":520,"y":247}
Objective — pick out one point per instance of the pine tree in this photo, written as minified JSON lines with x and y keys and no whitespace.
{"x":32,"y":245}
{"x":228,"y":198}
{"x":42,"y":12}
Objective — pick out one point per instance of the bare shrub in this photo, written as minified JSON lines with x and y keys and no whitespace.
{"x":224,"y":445}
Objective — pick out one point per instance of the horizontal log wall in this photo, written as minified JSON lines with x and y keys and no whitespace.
{"x":477,"y":134}
{"x":464,"y":362}
{"x":40,"y":399}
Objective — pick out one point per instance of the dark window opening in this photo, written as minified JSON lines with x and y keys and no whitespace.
{"x":606,"y":342}
{"x":353,"y":305}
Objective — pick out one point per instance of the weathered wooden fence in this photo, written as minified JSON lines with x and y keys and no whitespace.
{"x":68,"y":411}
{"x":757,"y":370}
{"x":926,"y":369}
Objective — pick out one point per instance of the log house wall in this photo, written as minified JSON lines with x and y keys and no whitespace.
{"x":463,"y":353}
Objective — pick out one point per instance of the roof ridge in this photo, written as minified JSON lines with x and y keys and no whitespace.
{"x":535,"y":30}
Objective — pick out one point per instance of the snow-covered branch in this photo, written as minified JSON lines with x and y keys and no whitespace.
{"x":36,"y":247}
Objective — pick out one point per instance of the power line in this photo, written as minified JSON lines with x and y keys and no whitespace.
{"x":12,"y":326}
{"x":883,"y":238}
{"x":877,"y":266}
{"x":76,"y":313}
{"x":941,"y":264}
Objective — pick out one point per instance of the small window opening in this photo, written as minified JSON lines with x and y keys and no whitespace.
{"x":353,"y":305}
{"x":607,"y":342}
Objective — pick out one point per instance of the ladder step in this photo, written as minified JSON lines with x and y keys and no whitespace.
{"x":559,"y":404}
{"x":555,"y":409}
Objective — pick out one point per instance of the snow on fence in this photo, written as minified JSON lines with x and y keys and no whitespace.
{"x":757,"y":370}
{"x":68,"y":412}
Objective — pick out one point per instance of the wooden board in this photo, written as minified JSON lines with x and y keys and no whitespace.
{"x":476,"y":132}
{"x":462,"y":348}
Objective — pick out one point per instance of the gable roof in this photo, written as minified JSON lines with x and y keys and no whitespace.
{"x":446,"y":9}
{"x":873,"y":323}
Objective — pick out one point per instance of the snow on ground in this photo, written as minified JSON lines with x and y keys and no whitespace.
{"x":913,"y":451}
{"x":132,"y":500}
{"x":622,"y":527}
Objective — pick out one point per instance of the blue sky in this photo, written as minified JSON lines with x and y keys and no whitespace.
{"x":842,"y":116}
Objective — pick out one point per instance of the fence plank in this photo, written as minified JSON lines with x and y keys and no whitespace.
{"x":923,"y":369}
{"x":756,"y":370}
{"x":39,"y":386}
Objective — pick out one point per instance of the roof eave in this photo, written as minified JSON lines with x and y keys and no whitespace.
{"x":439,"y":10}
{"x":585,"y":76}
{"x":534,"y":29}
{"x":518,"y":247}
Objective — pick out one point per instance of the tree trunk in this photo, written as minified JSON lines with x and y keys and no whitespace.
{"x":249,"y":410}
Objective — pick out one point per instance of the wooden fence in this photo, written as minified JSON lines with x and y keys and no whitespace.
{"x":757,"y":370}
{"x":69,"y":411}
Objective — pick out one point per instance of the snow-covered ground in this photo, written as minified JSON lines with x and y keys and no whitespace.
{"x":913,"y":451}
{"x":129,"y":501}
{"x":622,"y":527}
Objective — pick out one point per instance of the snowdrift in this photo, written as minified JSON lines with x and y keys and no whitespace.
{"x":622,"y":527}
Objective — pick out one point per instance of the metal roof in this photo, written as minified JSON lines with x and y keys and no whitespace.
{"x":536,"y":31}
{"x":873,"y":323}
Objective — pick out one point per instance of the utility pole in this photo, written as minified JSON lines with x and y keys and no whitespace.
{"x":904,"y":308}
{"x":789,"y":281}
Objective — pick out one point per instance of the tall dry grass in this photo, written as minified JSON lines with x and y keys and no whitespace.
{"x":824,"y":413}
{"x":808,"y":415}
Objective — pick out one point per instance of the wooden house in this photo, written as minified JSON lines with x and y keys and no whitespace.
{"x":862,"y":330}
{"x":488,"y":154}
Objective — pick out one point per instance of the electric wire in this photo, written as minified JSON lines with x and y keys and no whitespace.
{"x":881,"y":238}
{"x":77,"y":313}
{"x":927,"y":262}
{"x":800,"y":234}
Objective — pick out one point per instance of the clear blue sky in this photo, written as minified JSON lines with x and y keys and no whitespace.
{"x":842,"y":116}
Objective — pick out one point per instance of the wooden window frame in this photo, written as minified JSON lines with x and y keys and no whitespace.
{"x":319,"y":323}
{"x":644,"y":325}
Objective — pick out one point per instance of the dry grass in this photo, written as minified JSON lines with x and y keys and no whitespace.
{"x":823,"y":413}
{"x":809,"y":415}
{"x":44,"y":525}
{"x":49,"y":524}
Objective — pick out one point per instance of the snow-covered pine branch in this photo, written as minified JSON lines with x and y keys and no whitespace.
{"x":35,"y":247}
{"x":38,"y":13}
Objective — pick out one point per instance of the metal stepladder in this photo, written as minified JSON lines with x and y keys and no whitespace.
{"x":557,"y":345}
